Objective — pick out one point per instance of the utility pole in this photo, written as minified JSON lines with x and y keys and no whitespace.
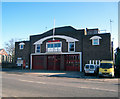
{"x":54,"y":29}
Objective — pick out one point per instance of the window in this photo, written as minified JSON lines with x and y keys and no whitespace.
{"x":87,"y":66}
{"x":71,"y":46}
{"x":92,"y":67}
{"x":38,"y":48}
{"x":95,"y":42}
{"x":49,"y":45}
{"x":21,"y":45}
{"x":106,"y":65}
{"x":53,"y":47}
{"x":3,"y":57}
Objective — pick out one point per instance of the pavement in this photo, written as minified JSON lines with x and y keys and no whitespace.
{"x":69,"y":74}
{"x":58,"y":74}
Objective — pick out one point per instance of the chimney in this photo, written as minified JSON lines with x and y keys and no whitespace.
{"x":92,"y":31}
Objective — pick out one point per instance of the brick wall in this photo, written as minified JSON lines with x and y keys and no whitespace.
{"x":97,"y":52}
{"x":23,"y":53}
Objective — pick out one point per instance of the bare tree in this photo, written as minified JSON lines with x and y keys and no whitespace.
{"x":10,"y":48}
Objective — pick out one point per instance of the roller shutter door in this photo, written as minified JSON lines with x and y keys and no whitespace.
{"x":38,"y":62}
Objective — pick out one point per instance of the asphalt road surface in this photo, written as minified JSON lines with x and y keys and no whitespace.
{"x":30,"y":85}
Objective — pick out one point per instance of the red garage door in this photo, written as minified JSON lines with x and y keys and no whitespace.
{"x":53,"y":62}
{"x":72,"y":62}
{"x":37,"y":62}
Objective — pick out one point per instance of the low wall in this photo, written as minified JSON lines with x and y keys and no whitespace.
{"x":9,"y":65}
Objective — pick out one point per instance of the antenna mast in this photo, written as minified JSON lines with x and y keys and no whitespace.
{"x":111,"y":25}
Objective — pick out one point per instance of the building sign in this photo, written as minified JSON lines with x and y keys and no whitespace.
{"x":54,"y":41}
{"x":19,"y":62}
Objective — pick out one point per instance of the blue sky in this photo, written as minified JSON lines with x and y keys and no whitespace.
{"x":22,"y":19}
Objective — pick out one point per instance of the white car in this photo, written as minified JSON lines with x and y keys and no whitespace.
{"x":90,"y":69}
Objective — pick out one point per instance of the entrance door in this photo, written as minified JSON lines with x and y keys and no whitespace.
{"x":53,"y":62}
{"x":72,"y":62}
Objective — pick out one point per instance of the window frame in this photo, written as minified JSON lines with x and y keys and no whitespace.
{"x":93,"y":42}
{"x":94,"y":38}
{"x":53,"y":46}
{"x":37,"y":49}
{"x":69,"y":46}
{"x":21,"y":44}
{"x":21,"y":47}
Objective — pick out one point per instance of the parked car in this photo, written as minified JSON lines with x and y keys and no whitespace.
{"x":91,"y":69}
{"x":106,"y":68}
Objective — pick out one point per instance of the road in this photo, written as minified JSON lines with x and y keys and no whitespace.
{"x":30,"y":85}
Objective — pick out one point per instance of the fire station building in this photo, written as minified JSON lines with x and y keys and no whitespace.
{"x":69,"y":49}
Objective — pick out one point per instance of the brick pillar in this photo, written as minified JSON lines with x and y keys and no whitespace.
{"x":62,"y":62}
{"x":45,"y":62}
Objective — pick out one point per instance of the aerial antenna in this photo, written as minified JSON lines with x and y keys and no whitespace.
{"x":111,"y":26}
{"x":54,"y":29}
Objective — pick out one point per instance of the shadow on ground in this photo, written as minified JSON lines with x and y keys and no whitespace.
{"x":46,"y":73}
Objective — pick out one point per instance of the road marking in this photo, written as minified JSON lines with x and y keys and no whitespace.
{"x":20,"y":74}
{"x":25,"y":80}
{"x":32,"y":81}
{"x":41,"y":82}
{"x":99,"y":89}
{"x":15,"y":96}
{"x":105,"y":89}
{"x":91,"y":82}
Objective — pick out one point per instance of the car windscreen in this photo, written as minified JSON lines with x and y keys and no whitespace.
{"x":87,"y":66}
{"x":105,"y":65}
{"x":92,"y":67}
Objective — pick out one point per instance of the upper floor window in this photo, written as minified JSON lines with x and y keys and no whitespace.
{"x":53,"y":47}
{"x":21,"y":45}
{"x":38,"y":48}
{"x":95,"y":40}
{"x":71,"y":46}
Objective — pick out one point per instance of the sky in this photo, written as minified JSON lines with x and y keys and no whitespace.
{"x":22,"y":19}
